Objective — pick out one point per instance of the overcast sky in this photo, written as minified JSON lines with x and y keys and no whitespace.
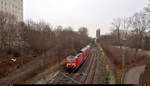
{"x":77,"y":13}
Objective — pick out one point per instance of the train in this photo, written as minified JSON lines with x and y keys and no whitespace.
{"x":73,"y":62}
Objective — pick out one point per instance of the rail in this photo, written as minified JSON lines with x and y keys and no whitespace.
{"x":85,"y":74}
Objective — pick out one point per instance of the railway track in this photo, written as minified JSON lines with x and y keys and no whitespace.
{"x":91,"y":73}
{"x":84,"y":75}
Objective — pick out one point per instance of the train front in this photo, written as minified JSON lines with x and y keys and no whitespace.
{"x":71,"y":63}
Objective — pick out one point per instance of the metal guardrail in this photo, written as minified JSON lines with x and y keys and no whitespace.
{"x":141,"y":79}
{"x":123,"y":77}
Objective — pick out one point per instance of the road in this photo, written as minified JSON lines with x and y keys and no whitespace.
{"x":133,"y":75}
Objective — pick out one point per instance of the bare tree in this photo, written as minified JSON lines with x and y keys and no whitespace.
{"x":140,"y":24}
{"x":83,"y":31}
{"x":126,"y":25}
{"x":117,"y":25}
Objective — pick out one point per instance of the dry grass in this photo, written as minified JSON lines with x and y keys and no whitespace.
{"x":7,"y":65}
{"x":115,"y":54}
{"x":108,"y":66}
{"x":44,"y":74}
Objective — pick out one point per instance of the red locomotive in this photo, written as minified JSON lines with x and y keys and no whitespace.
{"x":74,"y":61}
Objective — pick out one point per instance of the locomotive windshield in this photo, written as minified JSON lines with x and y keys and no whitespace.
{"x":71,"y":60}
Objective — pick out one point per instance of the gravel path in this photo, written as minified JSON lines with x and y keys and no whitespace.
{"x":133,"y":75}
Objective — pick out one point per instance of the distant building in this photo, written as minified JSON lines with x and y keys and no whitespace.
{"x":98,"y":31}
{"x":13,"y":7}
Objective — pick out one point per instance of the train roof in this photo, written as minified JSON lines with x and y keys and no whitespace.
{"x":88,"y":46}
{"x":78,"y":54}
{"x":85,"y":48}
{"x":71,"y":56}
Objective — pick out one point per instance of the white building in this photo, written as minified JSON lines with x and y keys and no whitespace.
{"x":13,"y":7}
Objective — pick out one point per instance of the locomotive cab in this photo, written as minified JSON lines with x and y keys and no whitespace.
{"x":70,"y":62}
{"x":74,"y":61}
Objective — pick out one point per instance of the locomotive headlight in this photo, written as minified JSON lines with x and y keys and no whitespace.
{"x":68,"y":64}
{"x":73,"y":64}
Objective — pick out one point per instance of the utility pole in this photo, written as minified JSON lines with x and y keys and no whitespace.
{"x":123,"y":60}
{"x":123,"y":66}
